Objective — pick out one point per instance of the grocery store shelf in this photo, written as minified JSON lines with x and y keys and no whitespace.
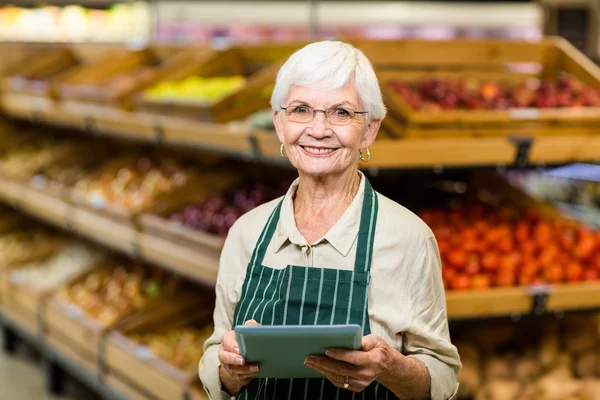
{"x":201,"y":265}
{"x":238,"y":140}
{"x":114,"y":233}
{"x":53,"y":355}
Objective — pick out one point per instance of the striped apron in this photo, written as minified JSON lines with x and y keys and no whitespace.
{"x":299,"y":295}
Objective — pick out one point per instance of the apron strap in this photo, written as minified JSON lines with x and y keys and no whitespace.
{"x":265,"y":237}
{"x":366,"y":231}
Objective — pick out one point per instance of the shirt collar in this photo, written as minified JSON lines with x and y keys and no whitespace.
{"x":341,"y":236}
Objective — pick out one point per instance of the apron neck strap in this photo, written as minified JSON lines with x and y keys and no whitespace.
{"x":366,"y":232}
{"x":265,"y":237}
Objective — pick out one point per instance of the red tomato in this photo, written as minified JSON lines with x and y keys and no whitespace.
{"x":549,"y":254}
{"x":526,"y":278}
{"x":449,"y":273}
{"x":457,"y":258}
{"x":554,"y":273}
{"x":472,"y":268}
{"x":505,"y":245}
{"x":567,"y":239}
{"x":481,"y":282}
{"x":505,"y":278}
{"x":590,"y":274}
{"x":542,"y":233}
{"x":510,"y":261}
{"x":460,"y":282}
{"x":522,"y":232}
{"x":528,"y":247}
{"x":584,"y":247}
{"x":573,"y":272}
{"x":490,"y":261}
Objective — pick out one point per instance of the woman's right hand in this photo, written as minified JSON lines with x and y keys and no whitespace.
{"x":235,"y":374}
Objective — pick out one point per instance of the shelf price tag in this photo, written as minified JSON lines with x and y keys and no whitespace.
{"x":38,"y":182}
{"x":73,"y":312}
{"x":524,"y":113}
{"x":144,"y":353}
{"x":539,"y":296}
{"x":17,"y":278}
{"x":523,"y":144}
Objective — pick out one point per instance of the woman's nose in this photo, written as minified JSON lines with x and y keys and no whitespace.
{"x":319,"y":125}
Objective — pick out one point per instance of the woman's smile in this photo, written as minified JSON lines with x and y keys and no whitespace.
{"x":319,"y":151}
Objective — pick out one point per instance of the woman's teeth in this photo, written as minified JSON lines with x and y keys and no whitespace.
{"x":318,"y":151}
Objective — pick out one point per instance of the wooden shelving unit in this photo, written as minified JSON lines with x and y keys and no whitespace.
{"x":203,"y":264}
{"x":240,"y":141}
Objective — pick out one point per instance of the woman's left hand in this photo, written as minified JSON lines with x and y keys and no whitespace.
{"x":358,"y":368}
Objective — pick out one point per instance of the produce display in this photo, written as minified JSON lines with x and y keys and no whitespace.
{"x":27,"y":244}
{"x":195,"y":89}
{"x":107,"y":295}
{"x":68,"y":261}
{"x":181,"y":347}
{"x":135,"y":185}
{"x":218,"y":213}
{"x":436,"y":94}
{"x":483,"y":247}
{"x":547,"y":359}
{"x":26,"y":159}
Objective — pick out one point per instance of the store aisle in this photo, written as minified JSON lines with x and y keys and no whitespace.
{"x":22,"y":378}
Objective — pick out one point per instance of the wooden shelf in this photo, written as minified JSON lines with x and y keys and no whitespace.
{"x":453,"y":150}
{"x":201,"y":263}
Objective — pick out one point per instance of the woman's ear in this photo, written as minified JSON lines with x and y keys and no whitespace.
{"x":278,"y":125}
{"x":371,"y":134}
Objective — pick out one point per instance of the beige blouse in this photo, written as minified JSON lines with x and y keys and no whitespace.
{"x":407,"y":304}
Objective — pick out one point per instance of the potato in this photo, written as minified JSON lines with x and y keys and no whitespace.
{"x":503,"y":390}
{"x":468,"y":352}
{"x":549,"y":349}
{"x":591,"y":389}
{"x":470,"y":379}
{"x":498,"y":367}
{"x":527,"y":369}
{"x":559,"y":385}
{"x":587,"y":365}
{"x":581,"y":340}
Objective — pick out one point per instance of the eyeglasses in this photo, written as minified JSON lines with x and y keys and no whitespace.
{"x":334,"y":115}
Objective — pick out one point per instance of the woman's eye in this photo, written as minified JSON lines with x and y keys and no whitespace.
{"x":300,"y":110}
{"x":342,"y":112}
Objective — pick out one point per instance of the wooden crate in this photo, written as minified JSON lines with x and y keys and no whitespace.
{"x":499,"y":60}
{"x":45,"y":206}
{"x":23,"y":305}
{"x":65,"y":322}
{"x":138,"y":370}
{"x":10,"y":190}
{"x":259,"y":64}
{"x":38,"y":75}
{"x":189,"y":251}
{"x":136,"y":70}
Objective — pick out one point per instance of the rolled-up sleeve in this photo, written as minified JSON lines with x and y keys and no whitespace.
{"x":427,"y":337}
{"x":230,"y":267}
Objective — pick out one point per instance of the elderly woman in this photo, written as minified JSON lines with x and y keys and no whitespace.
{"x":333,"y":251}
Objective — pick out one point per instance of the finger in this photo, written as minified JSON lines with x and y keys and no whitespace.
{"x":339,"y":381}
{"x":229,"y":358}
{"x":330,"y":365}
{"x":369,"y":342}
{"x":229,"y":343}
{"x":251,"y":322}
{"x":243,"y":370}
{"x":352,"y":357}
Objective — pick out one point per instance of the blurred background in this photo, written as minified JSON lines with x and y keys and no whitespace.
{"x":133,"y":134}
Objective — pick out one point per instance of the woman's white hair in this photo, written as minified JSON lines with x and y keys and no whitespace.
{"x":330,"y":65}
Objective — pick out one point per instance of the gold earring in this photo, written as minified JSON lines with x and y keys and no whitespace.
{"x":282,"y":151}
{"x":360,"y":155}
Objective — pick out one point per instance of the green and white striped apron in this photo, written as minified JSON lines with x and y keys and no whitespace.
{"x":299,"y":295}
